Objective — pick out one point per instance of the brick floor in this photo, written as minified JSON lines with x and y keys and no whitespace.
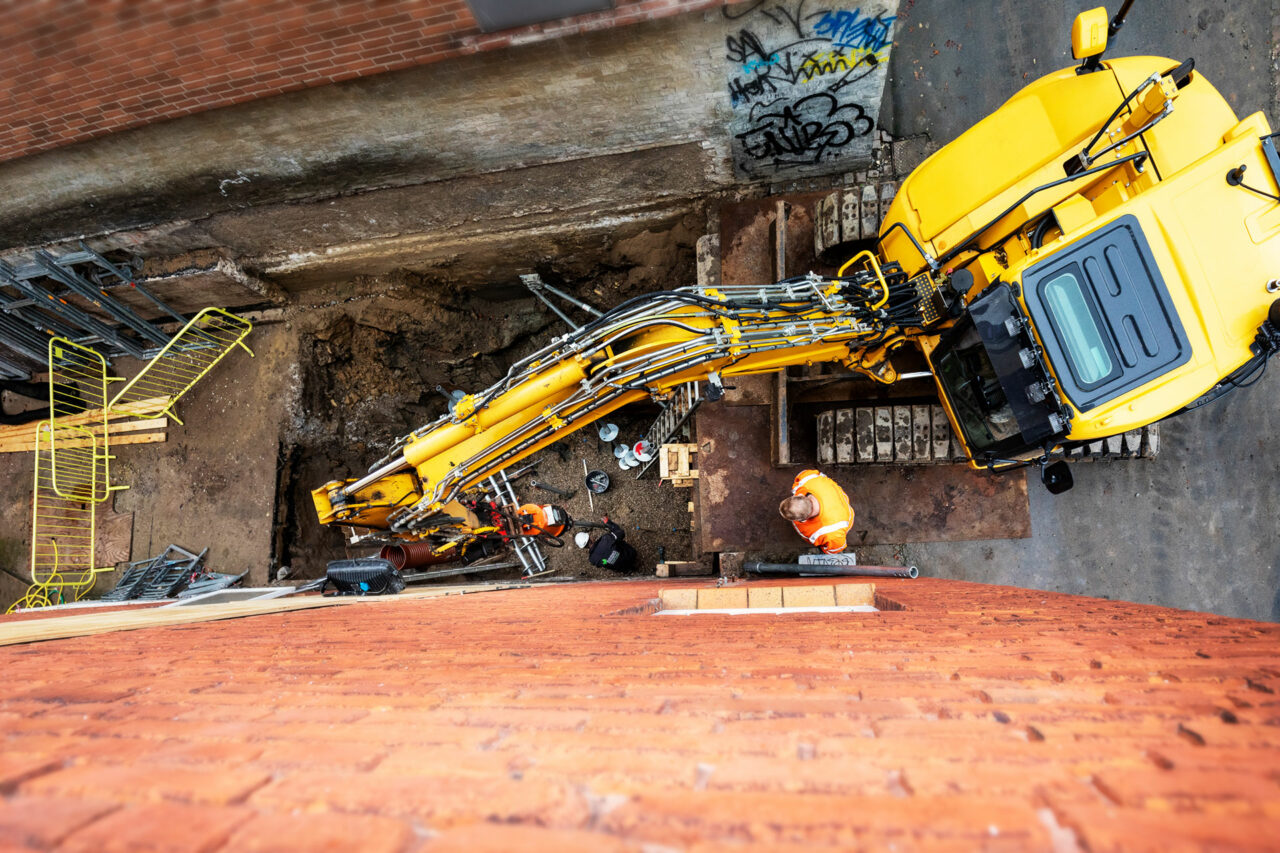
{"x":547,"y":719}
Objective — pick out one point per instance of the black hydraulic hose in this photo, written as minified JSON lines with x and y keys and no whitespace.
{"x":964,"y":245}
{"x":932,"y":264}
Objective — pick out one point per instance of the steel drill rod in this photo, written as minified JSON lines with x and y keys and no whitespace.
{"x":851,"y":571}
{"x":555,"y":491}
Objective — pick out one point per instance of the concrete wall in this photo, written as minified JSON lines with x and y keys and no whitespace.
{"x":392,"y":170}
{"x":80,"y":70}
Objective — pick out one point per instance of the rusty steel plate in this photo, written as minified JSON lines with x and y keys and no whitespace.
{"x":739,"y":491}
{"x":747,"y":245}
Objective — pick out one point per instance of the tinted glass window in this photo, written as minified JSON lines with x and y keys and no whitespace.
{"x":1081,"y":337}
{"x":1104,"y":315}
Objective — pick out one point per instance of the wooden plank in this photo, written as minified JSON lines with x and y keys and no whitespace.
{"x":685,"y":569}
{"x":92,"y":416}
{"x":132,"y":438}
{"x":779,"y":440}
{"x":83,"y":624}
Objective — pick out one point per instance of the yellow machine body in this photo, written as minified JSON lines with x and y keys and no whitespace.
{"x":1214,"y":244}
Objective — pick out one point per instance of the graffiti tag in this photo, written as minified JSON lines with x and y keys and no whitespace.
{"x":796,"y":81}
{"x":805,"y":131}
{"x":855,"y":30}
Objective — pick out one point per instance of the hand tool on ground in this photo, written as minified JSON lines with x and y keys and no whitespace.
{"x":538,"y":484}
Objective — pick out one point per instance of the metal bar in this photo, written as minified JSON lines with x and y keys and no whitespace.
{"x":590,"y":309}
{"x":535,"y":286}
{"x":823,"y":571}
{"x":13,"y":370}
{"x":124,"y":279}
{"x":37,"y":320}
{"x":65,"y":309}
{"x":20,"y":338}
{"x":118,"y":310}
{"x":461,"y":570}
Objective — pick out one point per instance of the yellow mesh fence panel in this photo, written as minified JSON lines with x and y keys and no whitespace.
{"x":62,"y":528}
{"x":186,"y":359}
{"x":78,"y":384}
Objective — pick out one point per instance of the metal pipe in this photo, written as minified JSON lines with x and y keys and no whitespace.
{"x":535,"y":285}
{"x":842,"y":571}
{"x":573,"y":301}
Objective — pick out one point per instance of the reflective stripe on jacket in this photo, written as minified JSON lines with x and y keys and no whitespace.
{"x":828,"y":528}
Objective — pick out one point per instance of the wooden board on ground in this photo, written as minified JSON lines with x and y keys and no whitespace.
{"x":80,"y":624}
{"x":114,"y":541}
{"x":739,"y":491}
{"x":131,"y":423}
{"x":675,"y":464}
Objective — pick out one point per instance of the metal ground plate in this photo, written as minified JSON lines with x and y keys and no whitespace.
{"x":739,"y":491}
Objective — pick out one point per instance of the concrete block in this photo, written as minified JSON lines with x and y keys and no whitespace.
{"x":902,"y":433}
{"x":884,"y":434}
{"x":855,"y":594}
{"x":817,"y":595}
{"x":722,"y":598}
{"x":940,"y":432}
{"x":826,"y":438}
{"x":764,"y":596}
{"x":844,"y":438}
{"x":920,"y":433}
{"x":679,"y":599}
{"x":865,"y":434}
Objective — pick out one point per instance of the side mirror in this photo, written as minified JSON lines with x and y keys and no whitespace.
{"x":1089,"y":33}
{"x":1057,"y":477}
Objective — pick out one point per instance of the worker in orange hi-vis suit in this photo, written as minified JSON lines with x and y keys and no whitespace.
{"x":820,"y":511}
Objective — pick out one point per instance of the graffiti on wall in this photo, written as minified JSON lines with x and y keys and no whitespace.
{"x":805,"y":78}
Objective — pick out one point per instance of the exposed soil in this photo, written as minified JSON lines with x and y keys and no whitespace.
{"x":370,"y":365}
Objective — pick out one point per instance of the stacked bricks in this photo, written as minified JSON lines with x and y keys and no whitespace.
{"x":572,"y":718}
{"x":76,"y":70}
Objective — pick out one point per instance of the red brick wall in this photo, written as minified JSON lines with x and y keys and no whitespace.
{"x":978,"y":718}
{"x":77,"y":69}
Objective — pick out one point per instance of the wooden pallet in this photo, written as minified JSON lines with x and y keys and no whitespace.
{"x":131,"y":423}
{"x":675,"y":464}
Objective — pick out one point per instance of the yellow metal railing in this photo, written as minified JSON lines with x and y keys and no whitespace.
{"x":62,"y":528}
{"x":186,"y":359}
{"x":72,"y":460}
{"x":79,"y":454}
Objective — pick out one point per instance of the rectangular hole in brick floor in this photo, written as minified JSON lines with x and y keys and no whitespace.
{"x":773,"y":600}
